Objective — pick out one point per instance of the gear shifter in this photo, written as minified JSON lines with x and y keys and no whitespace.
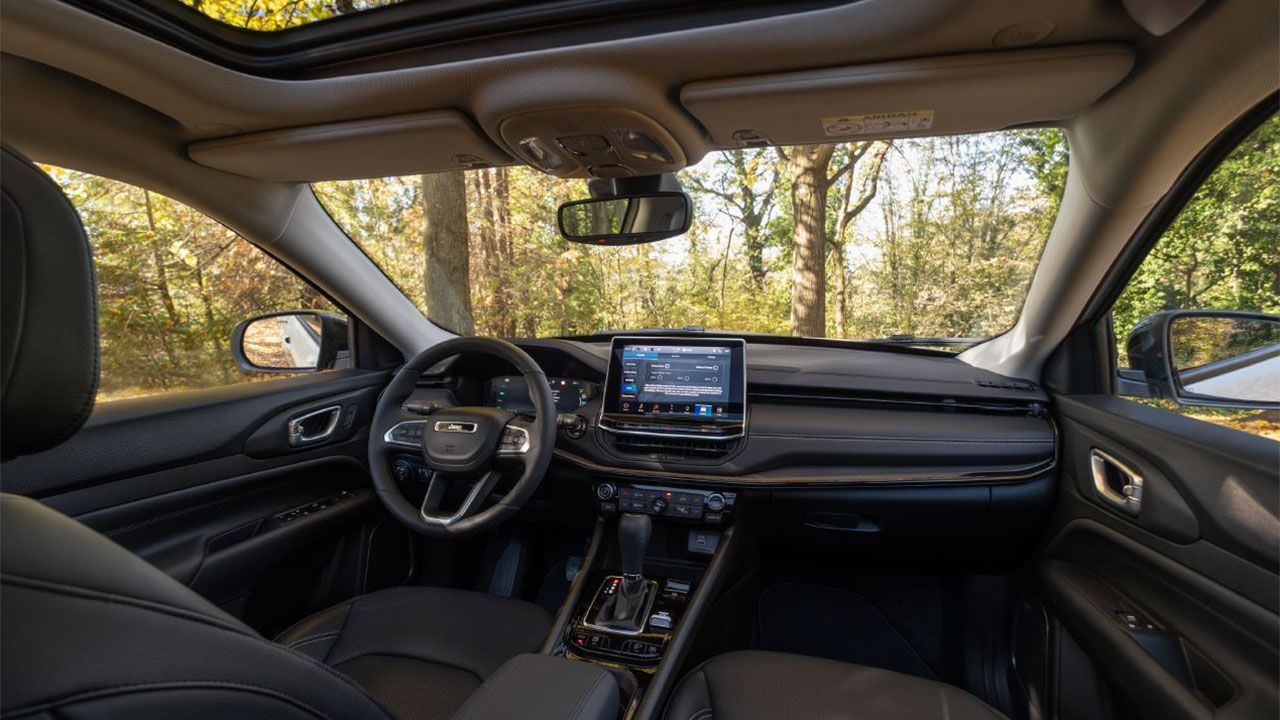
{"x":634,"y":530}
{"x":627,"y":598}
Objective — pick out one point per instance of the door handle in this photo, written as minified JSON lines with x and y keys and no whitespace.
{"x":315,"y":426}
{"x":1115,"y":483}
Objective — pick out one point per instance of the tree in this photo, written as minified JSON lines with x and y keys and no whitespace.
{"x":806,"y":166}
{"x":851,"y":206}
{"x":446,"y":251}
{"x":747,"y":188}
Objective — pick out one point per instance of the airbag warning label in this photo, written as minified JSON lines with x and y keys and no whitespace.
{"x":878,"y":123}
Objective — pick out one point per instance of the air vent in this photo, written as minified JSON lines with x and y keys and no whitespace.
{"x":671,"y":448}
{"x":1005,"y":384}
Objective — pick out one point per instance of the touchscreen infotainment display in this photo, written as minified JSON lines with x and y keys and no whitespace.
{"x":674,"y":380}
{"x":696,"y":382}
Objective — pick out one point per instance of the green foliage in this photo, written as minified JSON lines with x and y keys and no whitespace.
{"x":171,"y":286}
{"x":1221,"y":250}
{"x":273,"y":15}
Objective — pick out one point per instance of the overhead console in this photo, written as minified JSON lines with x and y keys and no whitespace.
{"x":932,"y":96}
{"x":676,"y":387}
{"x":592,"y":142}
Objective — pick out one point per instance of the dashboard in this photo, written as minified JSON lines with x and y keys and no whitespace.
{"x":748,"y":412}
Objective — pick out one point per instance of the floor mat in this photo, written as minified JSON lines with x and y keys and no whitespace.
{"x":835,"y":624}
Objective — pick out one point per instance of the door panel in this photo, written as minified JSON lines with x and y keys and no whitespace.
{"x":208,"y":487}
{"x":1172,"y":612}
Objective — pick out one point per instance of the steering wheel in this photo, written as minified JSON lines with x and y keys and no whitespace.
{"x":474,"y":445}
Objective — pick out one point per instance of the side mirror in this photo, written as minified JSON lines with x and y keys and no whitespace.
{"x":1220,"y":358}
{"x":291,"y":341}
{"x":626,"y":219}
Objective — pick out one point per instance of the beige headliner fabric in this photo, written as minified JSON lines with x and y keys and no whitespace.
{"x":379,"y":147}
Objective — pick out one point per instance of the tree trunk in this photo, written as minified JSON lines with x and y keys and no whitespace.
{"x":447,"y":251}
{"x":503,"y":321}
{"x":807,"y":167}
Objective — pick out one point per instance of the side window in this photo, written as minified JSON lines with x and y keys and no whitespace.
{"x":1196,"y":328}
{"x":186,"y":303}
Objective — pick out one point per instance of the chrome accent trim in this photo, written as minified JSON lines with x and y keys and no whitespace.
{"x":650,"y":585}
{"x":483,"y":484}
{"x":1129,"y":499}
{"x":524,"y":446}
{"x":692,"y":436}
{"x":386,"y":437}
{"x":298,"y":437}
{"x":456,"y":426}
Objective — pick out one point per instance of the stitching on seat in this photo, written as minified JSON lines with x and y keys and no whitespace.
{"x":343,"y":626}
{"x":112,"y":690}
{"x":114,"y":599}
{"x":308,"y":618}
{"x":310,"y":639}
{"x":583,"y":697}
{"x":487,"y":689}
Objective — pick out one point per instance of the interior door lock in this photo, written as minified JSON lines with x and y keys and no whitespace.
{"x":1115,"y":483}
{"x":315,"y":426}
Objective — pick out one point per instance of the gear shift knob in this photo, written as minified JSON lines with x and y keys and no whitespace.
{"x":633,"y":540}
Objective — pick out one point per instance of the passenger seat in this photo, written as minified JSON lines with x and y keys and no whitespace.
{"x":754,"y":685}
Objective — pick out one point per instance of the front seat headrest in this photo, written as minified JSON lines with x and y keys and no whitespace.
{"x":48,"y":312}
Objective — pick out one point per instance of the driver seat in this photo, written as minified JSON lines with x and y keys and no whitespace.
{"x":90,"y":630}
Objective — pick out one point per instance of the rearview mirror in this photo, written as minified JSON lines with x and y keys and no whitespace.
{"x":291,"y":341}
{"x":1218,"y":358}
{"x":626,"y":220}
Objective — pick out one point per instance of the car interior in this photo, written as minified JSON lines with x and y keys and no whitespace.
{"x":416,"y":521}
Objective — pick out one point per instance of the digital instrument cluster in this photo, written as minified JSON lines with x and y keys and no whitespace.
{"x":511,"y":392}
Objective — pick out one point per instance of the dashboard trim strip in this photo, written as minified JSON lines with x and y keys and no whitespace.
{"x":1015,"y":475}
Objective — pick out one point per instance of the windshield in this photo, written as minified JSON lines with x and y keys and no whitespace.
{"x":929,"y":241}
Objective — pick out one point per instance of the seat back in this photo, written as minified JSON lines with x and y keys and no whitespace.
{"x":87,"y":629}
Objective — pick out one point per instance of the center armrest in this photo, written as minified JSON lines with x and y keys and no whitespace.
{"x":544,"y":687}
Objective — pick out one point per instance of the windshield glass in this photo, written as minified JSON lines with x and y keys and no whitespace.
{"x":916,"y":240}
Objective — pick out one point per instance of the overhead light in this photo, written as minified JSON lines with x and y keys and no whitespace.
{"x":541,"y":154}
{"x":642,"y":147}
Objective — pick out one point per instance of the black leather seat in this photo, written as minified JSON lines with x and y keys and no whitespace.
{"x":755,"y":685}
{"x":88,"y":629}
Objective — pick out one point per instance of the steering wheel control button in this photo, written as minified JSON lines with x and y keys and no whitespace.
{"x":407,"y":434}
{"x":515,"y":441}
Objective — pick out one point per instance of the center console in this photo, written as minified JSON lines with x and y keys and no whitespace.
{"x":639,"y":599}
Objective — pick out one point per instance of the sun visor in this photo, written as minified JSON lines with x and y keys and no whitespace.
{"x":934,"y":96}
{"x":400,"y":145}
